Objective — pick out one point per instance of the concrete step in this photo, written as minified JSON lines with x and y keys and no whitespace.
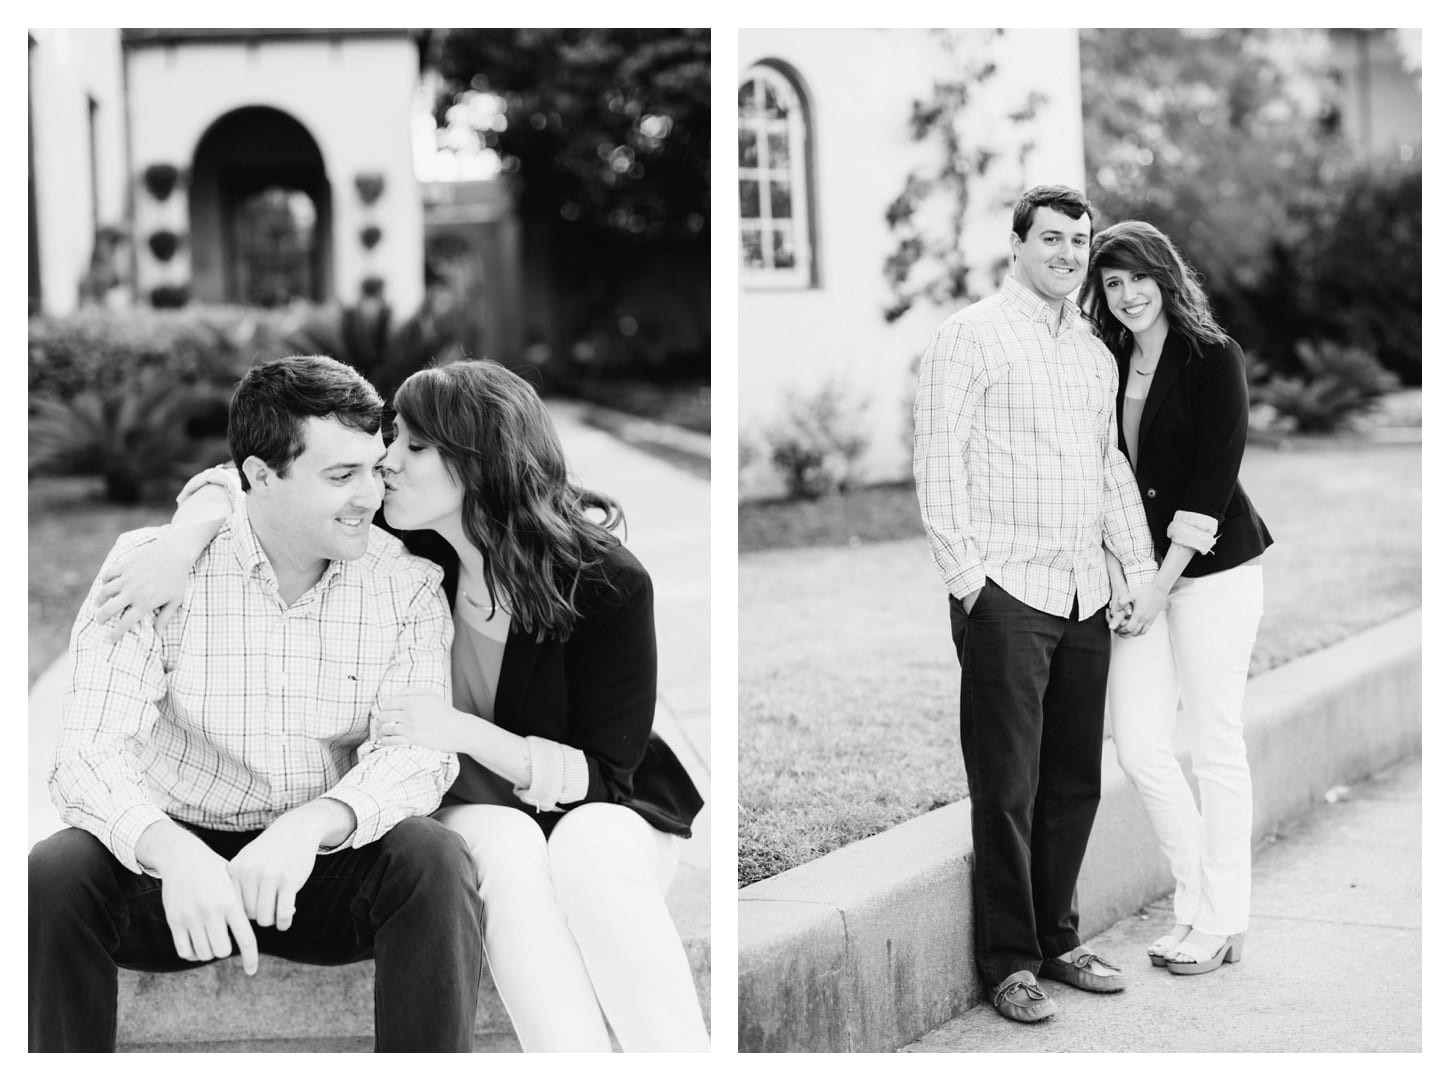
{"x":497,"y":1042}
{"x":294,"y":1007}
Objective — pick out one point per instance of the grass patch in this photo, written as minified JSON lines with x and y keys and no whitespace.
{"x":848,"y":681}
{"x":686,"y":405}
{"x":71,"y":530}
{"x":860,"y":516}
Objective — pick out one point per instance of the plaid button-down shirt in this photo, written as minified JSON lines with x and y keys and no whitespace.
{"x":1016,"y":456}
{"x":244,"y":707}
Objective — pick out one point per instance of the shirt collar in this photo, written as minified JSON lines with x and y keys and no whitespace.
{"x":1025,"y":302}
{"x":253,"y":558}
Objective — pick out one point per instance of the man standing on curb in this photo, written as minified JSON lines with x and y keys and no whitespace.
{"x":1021,"y":486}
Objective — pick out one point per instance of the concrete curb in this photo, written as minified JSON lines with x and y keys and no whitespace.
{"x":652,"y":436}
{"x":870,"y":947}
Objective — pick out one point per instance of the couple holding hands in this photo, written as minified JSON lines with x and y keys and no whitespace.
{"x":1077,"y":470}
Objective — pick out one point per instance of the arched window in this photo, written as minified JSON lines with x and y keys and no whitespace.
{"x":775,"y":197}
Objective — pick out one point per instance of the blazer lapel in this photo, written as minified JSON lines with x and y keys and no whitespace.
{"x":1170,"y":366}
{"x":520,"y":656}
{"x":1122,"y":389}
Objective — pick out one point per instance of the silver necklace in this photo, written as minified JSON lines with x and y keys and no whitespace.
{"x":482,"y":604}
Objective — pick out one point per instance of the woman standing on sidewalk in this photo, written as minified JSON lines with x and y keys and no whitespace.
{"x":572,"y":809}
{"x":1183,"y":423}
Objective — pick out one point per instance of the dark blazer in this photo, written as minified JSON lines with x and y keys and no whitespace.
{"x":1190,"y":446}
{"x":595,"y":691}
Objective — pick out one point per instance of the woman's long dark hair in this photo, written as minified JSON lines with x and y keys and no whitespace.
{"x":520,"y":509}
{"x":1140,"y":248}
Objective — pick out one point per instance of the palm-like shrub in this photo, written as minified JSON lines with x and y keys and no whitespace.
{"x":1340,"y":382}
{"x":129,"y":434}
{"x":364,"y":337}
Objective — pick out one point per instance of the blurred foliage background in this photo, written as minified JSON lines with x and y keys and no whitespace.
{"x":1233,"y":143}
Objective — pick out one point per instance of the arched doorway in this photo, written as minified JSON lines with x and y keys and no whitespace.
{"x":261,"y":212}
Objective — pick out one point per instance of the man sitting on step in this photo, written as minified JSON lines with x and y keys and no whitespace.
{"x":220,"y":774}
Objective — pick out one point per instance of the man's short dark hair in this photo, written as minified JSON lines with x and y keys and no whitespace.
{"x":1056,"y":197}
{"x":275,"y":398}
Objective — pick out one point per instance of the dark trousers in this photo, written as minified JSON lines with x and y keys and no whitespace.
{"x":1033,"y":690}
{"x":408,"y":899}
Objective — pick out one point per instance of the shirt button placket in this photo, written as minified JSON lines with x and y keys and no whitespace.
{"x":277,"y":716}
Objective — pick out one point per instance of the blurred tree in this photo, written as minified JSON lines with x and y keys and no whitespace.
{"x":1227,"y":141}
{"x":608,"y":132}
{"x":610,"y":129}
{"x":1361,"y":260}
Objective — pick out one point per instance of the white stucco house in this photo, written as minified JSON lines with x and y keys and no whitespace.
{"x":825,"y":147}
{"x":188,"y":132}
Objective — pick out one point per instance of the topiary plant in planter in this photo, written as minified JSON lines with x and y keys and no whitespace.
{"x":160,"y":180}
{"x":369,"y":187}
{"x":163,"y":244}
{"x":170,"y":296}
{"x":370,"y":236}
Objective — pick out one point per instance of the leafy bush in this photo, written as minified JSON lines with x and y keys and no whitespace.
{"x":816,"y":443}
{"x":99,"y":349}
{"x":1362,"y":256}
{"x":128,"y":395}
{"x":135,"y":432}
{"x":1339,"y":382}
{"x":363,"y":336}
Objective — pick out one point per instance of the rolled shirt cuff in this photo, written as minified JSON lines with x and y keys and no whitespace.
{"x":125,"y":830}
{"x":367,"y":811}
{"x":1194,"y":531}
{"x":558,"y":774}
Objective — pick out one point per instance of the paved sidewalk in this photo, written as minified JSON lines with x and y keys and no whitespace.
{"x":1332,"y":959}
{"x":667,"y":510}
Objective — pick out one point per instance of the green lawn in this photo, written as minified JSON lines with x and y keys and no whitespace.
{"x":848,"y":682}
{"x":71,"y":530}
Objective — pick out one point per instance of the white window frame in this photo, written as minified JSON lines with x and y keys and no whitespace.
{"x":796,"y":174}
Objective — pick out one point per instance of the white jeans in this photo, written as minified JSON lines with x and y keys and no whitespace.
{"x":577,"y":923}
{"x":1198,"y":649}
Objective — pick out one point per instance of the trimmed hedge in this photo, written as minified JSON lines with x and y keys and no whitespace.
{"x":100,"y":350}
